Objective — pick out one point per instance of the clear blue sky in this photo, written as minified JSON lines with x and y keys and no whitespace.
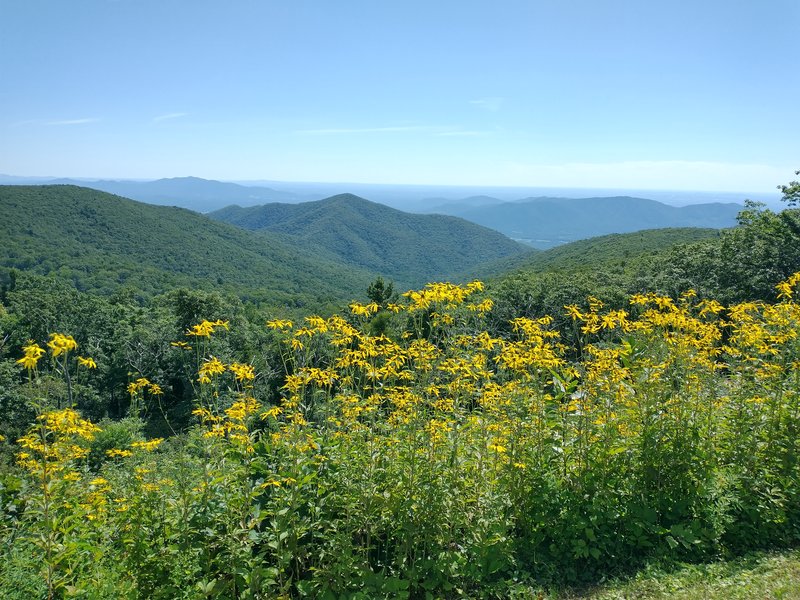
{"x":696,"y":94}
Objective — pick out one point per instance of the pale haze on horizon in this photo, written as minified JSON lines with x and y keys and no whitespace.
{"x":681,"y":95}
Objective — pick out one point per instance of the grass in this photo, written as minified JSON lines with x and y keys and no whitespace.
{"x":765,"y":575}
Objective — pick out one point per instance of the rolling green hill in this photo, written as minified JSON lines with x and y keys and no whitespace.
{"x":103,"y":242}
{"x":412,"y":249}
{"x":597,"y":252}
{"x":615,"y":248}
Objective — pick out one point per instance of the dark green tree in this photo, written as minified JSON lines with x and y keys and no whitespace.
{"x":791,"y":191}
{"x":381,"y":293}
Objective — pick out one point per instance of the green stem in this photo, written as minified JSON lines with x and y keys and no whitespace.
{"x":69,"y":382}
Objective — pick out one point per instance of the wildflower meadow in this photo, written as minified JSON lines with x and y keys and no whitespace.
{"x":404,"y":450}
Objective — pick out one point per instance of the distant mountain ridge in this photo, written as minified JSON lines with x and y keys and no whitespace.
{"x":194,"y":193}
{"x":410,"y":248}
{"x":545,"y":222}
{"x":541,"y":222}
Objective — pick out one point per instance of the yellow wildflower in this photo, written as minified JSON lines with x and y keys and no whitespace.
{"x":60,"y":343}
{"x":363,"y":310}
{"x":271,"y":412}
{"x":279,"y":324}
{"x":206,"y":328}
{"x":785,"y":288}
{"x":242,"y":371}
{"x":497,"y":447}
{"x":33,"y":352}
{"x":87,"y":362}
{"x":117,"y":453}
{"x":68,"y":421}
{"x":210,"y":367}
{"x":317,"y":323}
{"x":135,"y":386}
{"x":148,"y":446}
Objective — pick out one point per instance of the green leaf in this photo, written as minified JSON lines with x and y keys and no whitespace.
{"x":671,"y":541}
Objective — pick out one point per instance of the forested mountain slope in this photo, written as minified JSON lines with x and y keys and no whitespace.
{"x":599,"y":252}
{"x":409,"y":248}
{"x":102,"y":242}
{"x":616,"y":247}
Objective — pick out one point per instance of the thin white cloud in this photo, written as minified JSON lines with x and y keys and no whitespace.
{"x":57,"y":123}
{"x":462,"y":133}
{"x":72,"y":121}
{"x":23,"y":123}
{"x":435,"y":131}
{"x":169,"y":116}
{"x":492,"y":103}
{"x":346,"y":130}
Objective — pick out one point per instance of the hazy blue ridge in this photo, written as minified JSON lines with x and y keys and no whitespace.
{"x":546,"y":221}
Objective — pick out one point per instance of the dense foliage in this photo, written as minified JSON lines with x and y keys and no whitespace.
{"x":435,"y":459}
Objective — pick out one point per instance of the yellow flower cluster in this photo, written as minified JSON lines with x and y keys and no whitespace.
{"x":118,"y":453}
{"x":33,"y":352}
{"x":786,"y":288}
{"x":232,"y":424}
{"x":437,"y":414}
{"x":242,"y":372}
{"x":87,"y":362}
{"x":51,"y":445}
{"x":447,"y":294}
{"x":364,"y":310}
{"x":206,"y":328}
{"x":142,"y":383}
{"x":211,"y":367}
{"x":60,"y":343}
{"x":278,"y":324}
{"x":95,"y":502}
{"x":147,"y":446}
